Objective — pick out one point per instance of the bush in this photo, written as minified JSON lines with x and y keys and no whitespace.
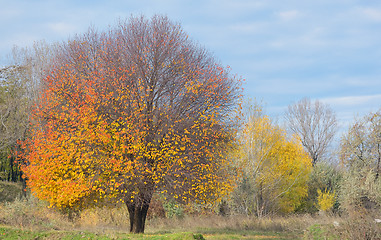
{"x":360,"y":154}
{"x":325,"y":200}
{"x":361,"y":189}
{"x":172,"y":209}
{"x":323,"y":177}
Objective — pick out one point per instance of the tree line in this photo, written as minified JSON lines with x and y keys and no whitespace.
{"x":141,"y":110}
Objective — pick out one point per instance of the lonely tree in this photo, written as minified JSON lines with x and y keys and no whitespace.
{"x":130,"y":112}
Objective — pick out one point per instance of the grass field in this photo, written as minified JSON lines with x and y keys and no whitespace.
{"x":7,"y":232}
{"x":32,"y":219}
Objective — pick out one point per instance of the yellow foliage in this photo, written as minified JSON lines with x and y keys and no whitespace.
{"x":325,"y":199}
{"x":94,"y":139}
{"x":277,"y":167}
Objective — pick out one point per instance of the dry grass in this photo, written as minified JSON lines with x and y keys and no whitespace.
{"x":354,"y":225}
{"x":35,"y":215}
{"x":104,"y":219}
{"x":32,"y":214}
{"x":295,"y":223}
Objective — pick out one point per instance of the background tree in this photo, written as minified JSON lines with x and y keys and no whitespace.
{"x":19,"y":83}
{"x":316,"y":125}
{"x":129,"y":112}
{"x":360,"y":153}
{"x":275,"y":169}
{"x":13,"y":119}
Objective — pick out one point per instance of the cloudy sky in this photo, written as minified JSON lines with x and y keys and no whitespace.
{"x":328,"y":50}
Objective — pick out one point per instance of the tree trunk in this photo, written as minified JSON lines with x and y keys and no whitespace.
{"x":137,"y":214}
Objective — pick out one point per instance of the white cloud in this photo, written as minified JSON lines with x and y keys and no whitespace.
{"x":353,"y":100}
{"x":372,"y":14}
{"x":228,"y":8}
{"x":289,"y":15}
{"x":248,"y":27}
{"x":314,"y":37}
{"x":62,"y":28}
{"x":371,"y":82}
{"x":6,"y":14}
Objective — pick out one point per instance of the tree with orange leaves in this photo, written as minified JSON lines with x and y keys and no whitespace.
{"x":129,"y":112}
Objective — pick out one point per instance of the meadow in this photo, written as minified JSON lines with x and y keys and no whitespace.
{"x":30,"y":218}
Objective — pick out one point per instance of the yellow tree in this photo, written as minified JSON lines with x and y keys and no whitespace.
{"x":275,"y":168}
{"x":129,"y":112}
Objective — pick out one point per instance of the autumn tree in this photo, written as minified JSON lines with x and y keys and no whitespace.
{"x":360,"y":154}
{"x":129,"y":112}
{"x":316,"y":125}
{"x":275,"y":168}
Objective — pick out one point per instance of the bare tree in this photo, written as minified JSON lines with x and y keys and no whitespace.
{"x":316,"y":125}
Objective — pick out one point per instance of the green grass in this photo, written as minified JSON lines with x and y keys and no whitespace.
{"x":17,"y":233}
{"x":14,"y":233}
{"x":8,"y":233}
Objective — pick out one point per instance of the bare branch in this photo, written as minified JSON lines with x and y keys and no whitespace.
{"x":316,"y":125}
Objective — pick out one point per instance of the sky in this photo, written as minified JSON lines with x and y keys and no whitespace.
{"x":326,"y":50}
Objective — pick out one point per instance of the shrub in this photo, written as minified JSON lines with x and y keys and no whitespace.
{"x":172,"y":209}
{"x":325,"y":200}
{"x":323,"y":176}
{"x":360,"y":154}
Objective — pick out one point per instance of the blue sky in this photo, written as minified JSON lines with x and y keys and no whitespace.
{"x":285,"y":49}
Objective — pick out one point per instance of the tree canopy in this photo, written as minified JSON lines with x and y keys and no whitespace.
{"x":128,"y":112}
